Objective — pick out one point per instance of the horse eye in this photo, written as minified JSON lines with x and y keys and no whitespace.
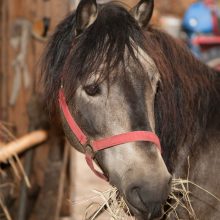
{"x":92,"y":90}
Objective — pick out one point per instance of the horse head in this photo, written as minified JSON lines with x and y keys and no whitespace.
{"x":110,"y":82}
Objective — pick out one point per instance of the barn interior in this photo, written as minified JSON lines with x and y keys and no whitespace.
{"x":41,"y":176}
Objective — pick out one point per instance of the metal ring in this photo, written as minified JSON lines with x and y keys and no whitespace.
{"x":89,"y":150}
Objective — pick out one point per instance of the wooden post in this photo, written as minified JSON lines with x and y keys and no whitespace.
{"x":49,"y":201}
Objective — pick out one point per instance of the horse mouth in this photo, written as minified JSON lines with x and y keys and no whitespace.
{"x":154,"y":215}
{"x":152,"y":212}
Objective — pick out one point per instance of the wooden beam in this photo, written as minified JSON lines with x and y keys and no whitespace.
{"x":22,"y":144}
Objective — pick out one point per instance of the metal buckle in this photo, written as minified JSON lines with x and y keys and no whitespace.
{"x":89,"y":150}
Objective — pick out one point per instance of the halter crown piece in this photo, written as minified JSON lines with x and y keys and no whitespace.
{"x":92,"y":146}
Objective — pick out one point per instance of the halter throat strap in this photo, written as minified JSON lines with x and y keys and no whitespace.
{"x":90,"y":147}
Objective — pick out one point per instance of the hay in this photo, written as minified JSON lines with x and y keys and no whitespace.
{"x":17,"y":169}
{"x":5,"y":210}
{"x":117,"y":209}
{"x":14,"y":161}
{"x":113,"y":204}
{"x":180,"y":196}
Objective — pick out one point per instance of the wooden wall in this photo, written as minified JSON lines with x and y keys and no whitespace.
{"x":11,"y":13}
{"x":175,"y":7}
{"x":32,"y":11}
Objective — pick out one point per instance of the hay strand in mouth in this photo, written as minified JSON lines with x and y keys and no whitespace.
{"x":90,"y":198}
{"x":112,"y":204}
{"x":5,"y":210}
{"x":180,"y":195}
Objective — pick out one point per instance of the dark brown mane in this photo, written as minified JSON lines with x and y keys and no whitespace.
{"x":186,"y":94}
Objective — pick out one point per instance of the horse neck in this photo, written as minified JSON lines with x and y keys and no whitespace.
{"x":206,"y":118}
{"x":187,"y":94}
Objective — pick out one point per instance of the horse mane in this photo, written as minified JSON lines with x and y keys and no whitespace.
{"x":186,"y":87}
{"x":187,"y":95}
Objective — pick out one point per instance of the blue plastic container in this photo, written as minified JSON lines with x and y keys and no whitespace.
{"x":198,"y":19}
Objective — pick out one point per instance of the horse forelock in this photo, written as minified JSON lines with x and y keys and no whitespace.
{"x":107,"y":46}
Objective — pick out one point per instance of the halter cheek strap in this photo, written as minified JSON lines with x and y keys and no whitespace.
{"x":91,"y":147}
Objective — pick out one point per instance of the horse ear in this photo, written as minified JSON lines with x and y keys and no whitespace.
{"x":86,"y":14}
{"x":143,"y":11}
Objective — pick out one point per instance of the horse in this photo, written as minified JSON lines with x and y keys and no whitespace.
{"x":108,"y":72}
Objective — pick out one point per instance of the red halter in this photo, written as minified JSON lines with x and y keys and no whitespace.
{"x":91,"y":147}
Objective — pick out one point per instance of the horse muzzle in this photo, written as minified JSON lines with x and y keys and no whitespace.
{"x":146,"y":200}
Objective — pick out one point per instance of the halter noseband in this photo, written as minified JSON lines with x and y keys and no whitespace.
{"x":92,"y":146}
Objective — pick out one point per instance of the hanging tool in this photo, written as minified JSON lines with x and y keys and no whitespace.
{"x":20,"y":43}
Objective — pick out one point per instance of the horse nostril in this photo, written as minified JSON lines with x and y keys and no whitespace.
{"x":133,"y":196}
{"x":131,"y":191}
